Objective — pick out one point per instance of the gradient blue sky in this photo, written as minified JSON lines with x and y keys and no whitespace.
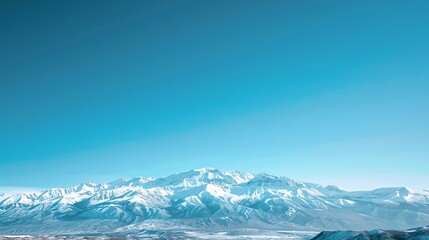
{"x":332,"y":92}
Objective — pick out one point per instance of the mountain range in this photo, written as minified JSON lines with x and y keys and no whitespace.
{"x":210,"y":200}
{"x":421,"y":233}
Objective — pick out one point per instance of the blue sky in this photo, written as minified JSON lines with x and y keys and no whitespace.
{"x":332,"y":92}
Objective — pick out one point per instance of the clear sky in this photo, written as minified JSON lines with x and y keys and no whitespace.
{"x":331,"y":92}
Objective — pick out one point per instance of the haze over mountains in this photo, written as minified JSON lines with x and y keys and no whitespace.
{"x":209,"y":199}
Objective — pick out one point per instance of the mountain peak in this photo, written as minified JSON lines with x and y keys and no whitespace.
{"x":202,"y":176}
{"x":206,"y":169}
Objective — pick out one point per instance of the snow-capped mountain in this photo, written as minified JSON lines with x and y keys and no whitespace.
{"x":209,"y":199}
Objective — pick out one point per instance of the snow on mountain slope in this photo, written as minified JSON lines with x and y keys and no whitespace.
{"x":4,"y":195}
{"x":209,"y":199}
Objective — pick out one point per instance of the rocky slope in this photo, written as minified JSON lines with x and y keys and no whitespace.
{"x":421,"y":233}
